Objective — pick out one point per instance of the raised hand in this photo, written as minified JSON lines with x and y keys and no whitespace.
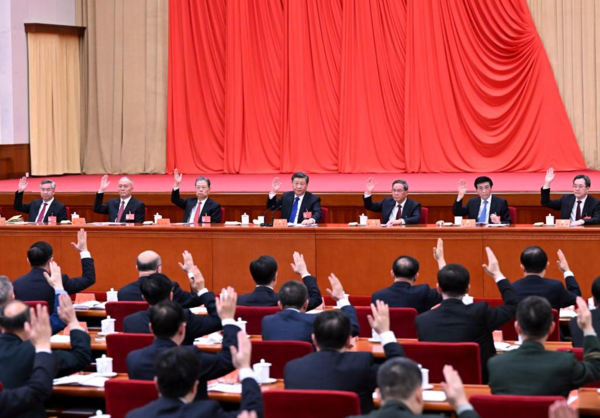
{"x":240,"y":356}
{"x":492,"y":267}
{"x":81,"y":241}
{"x":462,"y":188}
{"x":188,"y":262}
{"x":40,"y":330}
{"x":562,"y":263}
{"x":438,"y":253}
{"x":380,"y":320}
{"x":275,"y":185}
{"x":453,"y":387}
{"x":177,"y":177}
{"x":584,"y":316}
{"x":103,"y":183}
{"x":23,"y":184}
{"x":337,"y":290}
{"x":66,"y":312}
{"x":54,"y":279}
{"x":299,"y":265}
{"x":226,"y":303}
{"x":549,"y":177}
{"x":560,"y":409}
{"x":197,"y":283}
{"x":370,"y":185}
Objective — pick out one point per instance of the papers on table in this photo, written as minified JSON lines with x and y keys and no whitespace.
{"x":199,"y":310}
{"x":434,"y":396}
{"x":60,"y":339}
{"x":232,"y":223}
{"x":91,"y":304}
{"x":214,"y":338}
{"x":92,"y":380}
{"x":567,"y":313}
{"x":225,"y":388}
{"x":502,"y":346}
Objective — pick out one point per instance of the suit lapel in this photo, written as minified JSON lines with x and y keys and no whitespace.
{"x":190,"y":207}
{"x":565,"y":212}
{"x":587,"y":208}
{"x":477,"y":206}
{"x":388,"y":206}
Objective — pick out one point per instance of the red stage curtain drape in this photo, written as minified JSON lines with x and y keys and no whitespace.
{"x":362,"y":86}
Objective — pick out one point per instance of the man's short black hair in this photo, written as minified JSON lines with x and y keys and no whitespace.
{"x":398,"y":378}
{"x":14,"y":323}
{"x":534,"y":260}
{"x":150,"y":266}
{"x":534,"y":315}
{"x":402,"y":182}
{"x":596,"y":290}
{"x":39,"y":254}
{"x":166,"y":317}
{"x":201,"y":178}
{"x":293,"y":294}
{"x":454,"y":280}
{"x":263,"y":270}
{"x":483,"y":179}
{"x":405,"y":266}
{"x":332,"y":330}
{"x":586,"y":179}
{"x":300,"y":175}
{"x":156,"y":288}
{"x":177,"y":370}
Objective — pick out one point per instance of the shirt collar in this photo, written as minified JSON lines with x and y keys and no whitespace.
{"x":582,"y":201}
{"x":125,"y":200}
{"x":489,"y":199}
{"x":263,"y":285}
{"x":48,"y":202}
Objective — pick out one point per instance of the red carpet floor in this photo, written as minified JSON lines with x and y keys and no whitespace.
{"x":319,"y":183}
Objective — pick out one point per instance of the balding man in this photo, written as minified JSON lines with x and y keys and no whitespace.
{"x":148,"y":263}
{"x":39,"y":209}
{"x":6,"y":290}
{"x":124,"y":209}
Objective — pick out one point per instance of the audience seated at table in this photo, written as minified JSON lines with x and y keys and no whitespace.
{"x":531,"y":369}
{"x":264,"y":273}
{"x":168,"y":325}
{"x":33,"y":285}
{"x":332,"y":367}
{"x":177,"y":371}
{"x":157,"y":288}
{"x":455,"y":322}
{"x":148,"y":263}
{"x":576,"y":333}
{"x":404,"y":292}
{"x":293,"y":323}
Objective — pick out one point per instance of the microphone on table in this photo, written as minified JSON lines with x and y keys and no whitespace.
{"x":272,"y":216}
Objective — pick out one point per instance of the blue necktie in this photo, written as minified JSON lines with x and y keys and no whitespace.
{"x":294,"y":210}
{"x":482,"y":217}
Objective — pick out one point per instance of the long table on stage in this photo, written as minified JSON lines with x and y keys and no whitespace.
{"x":361,"y":257}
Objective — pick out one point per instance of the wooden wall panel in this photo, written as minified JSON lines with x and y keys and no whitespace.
{"x":14,"y":161}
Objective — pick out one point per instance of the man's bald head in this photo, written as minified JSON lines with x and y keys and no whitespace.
{"x":13,"y":316}
{"x":148,"y":262}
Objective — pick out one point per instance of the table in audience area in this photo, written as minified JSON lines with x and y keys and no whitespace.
{"x":360,"y":256}
{"x":90,"y":313}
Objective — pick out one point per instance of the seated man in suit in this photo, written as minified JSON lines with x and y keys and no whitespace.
{"x":403,"y":293}
{"x":395,"y":210}
{"x":39,"y":209}
{"x":148,"y":263}
{"x":534,"y":263}
{"x":455,"y":322}
{"x":27,"y":400}
{"x":293,"y":323}
{"x":124,"y":209}
{"x":580,"y":207}
{"x":264,"y":274}
{"x":177,"y":372}
{"x":576,"y":333}
{"x":297,"y":206}
{"x":531,"y":370}
{"x":34,"y":286}
{"x":331,"y":367}
{"x":485,"y":208}
{"x":196,"y":207}
{"x":167,"y":322}
{"x":157,"y":288}
{"x":400,"y":382}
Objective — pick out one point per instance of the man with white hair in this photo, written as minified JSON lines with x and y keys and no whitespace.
{"x":39,"y":209}
{"x":124,"y":209}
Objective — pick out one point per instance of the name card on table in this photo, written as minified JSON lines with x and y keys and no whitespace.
{"x":563,"y":223}
{"x":280,"y":222}
{"x":78,"y":221}
{"x":2,"y":221}
{"x":373,"y":222}
{"x":51,"y":220}
{"x":468,"y":223}
{"x":163,"y":221}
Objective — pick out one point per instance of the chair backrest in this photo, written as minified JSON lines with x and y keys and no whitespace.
{"x":119,"y":310}
{"x":34,"y":303}
{"x":512,"y":212}
{"x":492,"y":406}
{"x":464,"y":357}
{"x":278,"y":353}
{"x":510,"y":334}
{"x":402,"y":321}
{"x":68,"y":210}
{"x":310,"y":403}
{"x":578,"y":353}
{"x":119,"y":345}
{"x":424,"y":214}
{"x":324,"y":215}
{"x":123,"y":396}
{"x":222,"y":215}
{"x":253,"y":316}
{"x":355,"y":300}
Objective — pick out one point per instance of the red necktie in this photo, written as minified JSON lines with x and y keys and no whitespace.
{"x":578,"y":213}
{"x":399,"y":213}
{"x":121,"y":210}
{"x":42,"y":214}
{"x":198,"y":212}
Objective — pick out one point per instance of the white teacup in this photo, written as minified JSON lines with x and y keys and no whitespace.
{"x":242,"y":324}
{"x":262,"y":371}
{"x":424,"y":376}
{"x":363,"y":219}
{"x":108,"y":325}
{"x":375,"y":335}
{"x":458,"y":220}
{"x":99,"y":414}
{"x":104,"y":365}
{"x":467,"y":300}
{"x":111,"y":295}
{"x":549,"y":220}
{"x":261,"y":219}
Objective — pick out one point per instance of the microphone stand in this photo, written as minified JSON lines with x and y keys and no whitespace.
{"x":272,"y":216}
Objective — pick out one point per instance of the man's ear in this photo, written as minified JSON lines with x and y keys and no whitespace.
{"x":280,"y":305}
{"x":305,"y":306}
{"x":314,"y":340}
{"x":438,"y":288}
{"x":171,"y":295}
{"x":416,"y":278}
{"x":392,"y":275}
{"x":150,"y":326}
{"x":159,"y":269}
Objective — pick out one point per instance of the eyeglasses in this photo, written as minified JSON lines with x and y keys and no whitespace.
{"x":398,"y":191}
{"x":201,"y":187}
{"x":482,"y":188}
{"x":579,"y":186}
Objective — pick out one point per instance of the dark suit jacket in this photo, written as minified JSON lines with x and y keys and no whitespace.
{"x":532,"y":371}
{"x":404,"y":295}
{"x":499,"y":206}
{"x":33,"y":285}
{"x":195,"y":326}
{"x":210,"y":208}
{"x":553,"y":290}
{"x":55,"y":209}
{"x":291,"y":325}
{"x":577,"y":333}
{"x":265,"y":296}
{"x":565,"y":204}
{"x":332,"y":370}
{"x":140,"y":363}
{"x":111,"y":208}
{"x":455,"y":322}
{"x":27,"y":400}
{"x":174,"y":408}
{"x":411,"y":212}
{"x":396,"y":409}
{"x":310,"y":202}
{"x":131,"y":292}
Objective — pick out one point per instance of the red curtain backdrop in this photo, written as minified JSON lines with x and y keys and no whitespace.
{"x":362,"y":86}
